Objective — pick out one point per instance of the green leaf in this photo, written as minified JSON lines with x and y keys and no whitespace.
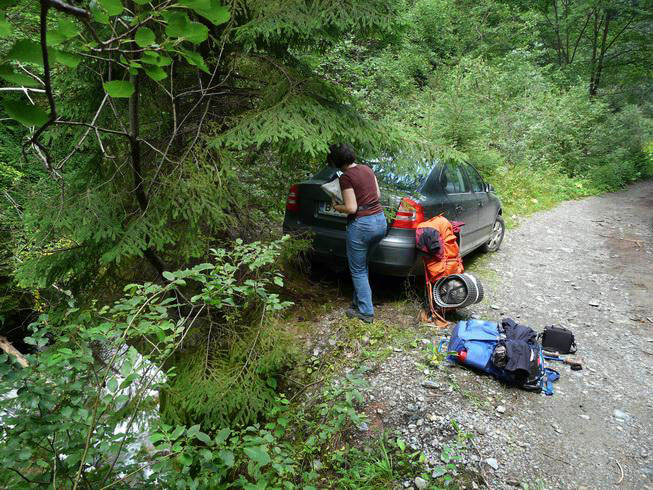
{"x":141,"y":2}
{"x":99,"y":14}
{"x":28,"y":51}
{"x":144,"y":37}
{"x":25,"y":114}
{"x":17,"y":78}
{"x":193,"y":430}
{"x":178,"y":24}
{"x":112,"y":384}
{"x":66,"y":411}
{"x":204,"y":438}
{"x":227,"y":457}
{"x":5,"y":27}
{"x":168,"y":275}
{"x":119,"y":88}
{"x":196,"y":4}
{"x":222,"y":435}
{"x":216,"y":14}
{"x":25,"y":454}
{"x":68,"y":28}
{"x":154,"y":58}
{"x":198,"y":33}
{"x":206,"y":454}
{"x":156,"y":437}
{"x":65,"y":30}
{"x":112,"y":7}
{"x":195,"y":59}
{"x":258,"y":454}
{"x":156,"y":73}
{"x":184,"y":459}
{"x":71,"y":60}
{"x":177,"y":432}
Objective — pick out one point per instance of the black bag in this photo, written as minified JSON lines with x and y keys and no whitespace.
{"x":558,"y":339}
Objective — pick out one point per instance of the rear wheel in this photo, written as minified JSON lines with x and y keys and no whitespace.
{"x":496,"y":237}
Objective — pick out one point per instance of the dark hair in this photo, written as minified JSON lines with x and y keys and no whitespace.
{"x":341,"y":155}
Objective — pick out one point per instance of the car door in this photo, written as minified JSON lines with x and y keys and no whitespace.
{"x":486,"y":212}
{"x":460,"y":203}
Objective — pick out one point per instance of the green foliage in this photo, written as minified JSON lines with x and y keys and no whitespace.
{"x":62,"y":412}
{"x":179,"y":127}
{"x":246,"y":367}
{"x":237,"y":359}
{"x":84,"y":391}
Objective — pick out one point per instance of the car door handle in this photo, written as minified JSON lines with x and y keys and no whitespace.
{"x":459,"y":208}
{"x":480,"y":204}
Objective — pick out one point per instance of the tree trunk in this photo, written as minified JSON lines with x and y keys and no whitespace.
{"x":596,"y":76}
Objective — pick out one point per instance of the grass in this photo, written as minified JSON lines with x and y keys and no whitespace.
{"x":524,"y":191}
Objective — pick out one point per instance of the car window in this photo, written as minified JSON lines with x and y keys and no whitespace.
{"x":474,"y":179}
{"x":453,"y":180}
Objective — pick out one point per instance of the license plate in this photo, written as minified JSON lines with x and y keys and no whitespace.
{"x":326,"y":208}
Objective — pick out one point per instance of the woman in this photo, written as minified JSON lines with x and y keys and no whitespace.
{"x":366,"y":224}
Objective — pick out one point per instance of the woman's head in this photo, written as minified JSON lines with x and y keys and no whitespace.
{"x":341,"y":155}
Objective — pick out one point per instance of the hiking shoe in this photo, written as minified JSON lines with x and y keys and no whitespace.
{"x":352,"y":313}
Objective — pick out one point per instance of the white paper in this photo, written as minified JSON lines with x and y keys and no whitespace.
{"x":333,"y":190}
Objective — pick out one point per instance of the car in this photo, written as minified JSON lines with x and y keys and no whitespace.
{"x":455,"y":190}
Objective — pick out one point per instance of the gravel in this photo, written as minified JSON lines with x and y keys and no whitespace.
{"x":587,"y":265}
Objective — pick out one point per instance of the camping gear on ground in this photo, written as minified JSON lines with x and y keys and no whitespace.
{"x":478,"y":344}
{"x":558,"y":339}
{"x":438,"y":239}
{"x":457,"y":291}
{"x":573,"y":362}
{"x":333,"y":190}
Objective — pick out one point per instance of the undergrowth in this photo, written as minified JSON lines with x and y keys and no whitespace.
{"x":524,"y":191}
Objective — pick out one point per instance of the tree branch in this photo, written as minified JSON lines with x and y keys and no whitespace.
{"x":6,"y":346}
{"x":68,"y":9}
{"x":580,"y":36}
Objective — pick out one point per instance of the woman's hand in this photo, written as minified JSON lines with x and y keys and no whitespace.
{"x":350,"y":206}
{"x":338,"y":207}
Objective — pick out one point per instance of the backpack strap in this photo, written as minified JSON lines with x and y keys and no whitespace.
{"x":547,"y":380}
{"x":438,"y":319}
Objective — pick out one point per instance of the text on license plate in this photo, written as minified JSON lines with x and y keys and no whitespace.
{"x":326,"y":208}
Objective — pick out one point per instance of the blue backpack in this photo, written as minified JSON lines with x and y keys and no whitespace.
{"x":472,"y":344}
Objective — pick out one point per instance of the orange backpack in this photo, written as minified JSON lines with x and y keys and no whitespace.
{"x":447,"y":259}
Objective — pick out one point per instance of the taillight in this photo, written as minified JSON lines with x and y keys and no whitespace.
{"x":409,"y":214}
{"x":292,"y":203}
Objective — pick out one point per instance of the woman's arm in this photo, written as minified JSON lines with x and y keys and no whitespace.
{"x":350,"y":206}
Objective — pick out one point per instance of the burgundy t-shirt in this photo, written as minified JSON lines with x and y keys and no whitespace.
{"x":361,"y":179}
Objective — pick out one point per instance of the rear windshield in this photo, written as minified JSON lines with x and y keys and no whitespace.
{"x":390,"y":174}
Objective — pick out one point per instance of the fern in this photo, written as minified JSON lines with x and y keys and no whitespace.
{"x":230,"y":382}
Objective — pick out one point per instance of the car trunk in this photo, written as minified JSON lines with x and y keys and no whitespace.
{"x":314,"y":203}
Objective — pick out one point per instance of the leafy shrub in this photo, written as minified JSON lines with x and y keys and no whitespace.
{"x":72,"y":415}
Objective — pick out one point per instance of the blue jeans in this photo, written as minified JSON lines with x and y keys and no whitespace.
{"x":362,"y":234}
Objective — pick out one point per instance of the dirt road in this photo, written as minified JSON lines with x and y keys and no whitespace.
{"x":587,"y":265}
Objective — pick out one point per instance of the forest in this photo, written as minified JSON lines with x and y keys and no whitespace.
{"x":146,"y":152}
